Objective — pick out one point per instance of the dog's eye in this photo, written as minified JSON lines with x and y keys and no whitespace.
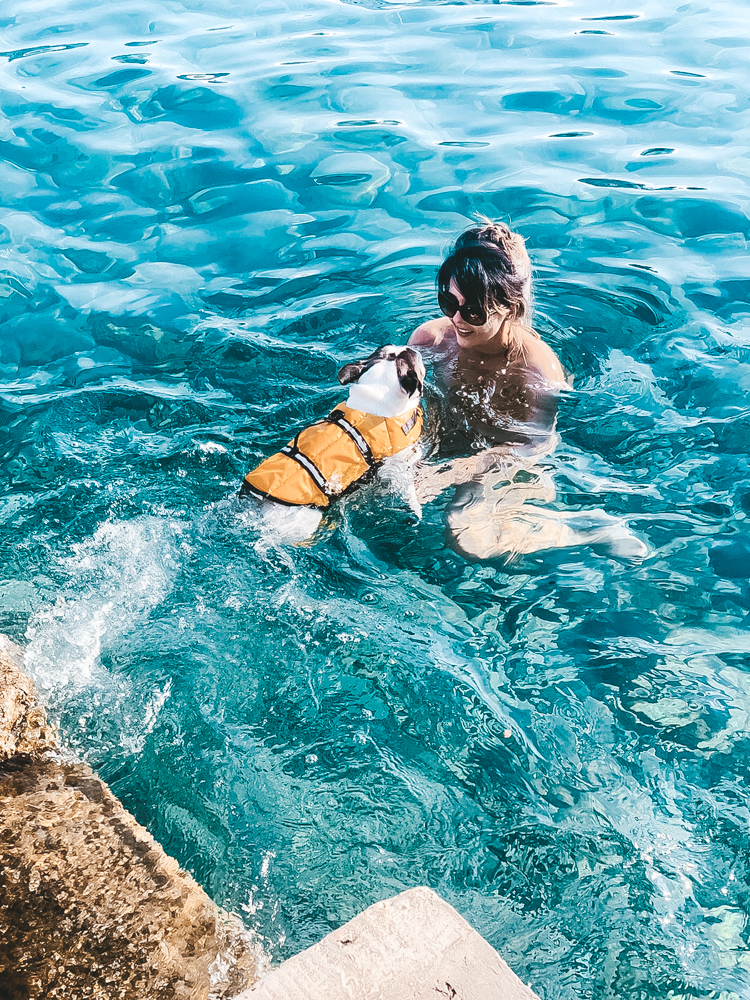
{"x":409,"y":383}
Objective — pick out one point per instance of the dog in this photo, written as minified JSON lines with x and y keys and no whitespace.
{"x":381,"y":418}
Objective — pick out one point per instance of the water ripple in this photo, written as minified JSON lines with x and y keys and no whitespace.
{"x":203,"y":214}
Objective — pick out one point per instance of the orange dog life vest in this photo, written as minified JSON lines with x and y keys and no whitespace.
{"x":326,"y":458}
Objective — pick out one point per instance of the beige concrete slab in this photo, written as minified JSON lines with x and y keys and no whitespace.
{"x":411,"y":947}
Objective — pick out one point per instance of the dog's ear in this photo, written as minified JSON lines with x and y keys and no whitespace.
{"x":355,"y":369}
{"x":352,"y":371}
{"x":407,"y":377}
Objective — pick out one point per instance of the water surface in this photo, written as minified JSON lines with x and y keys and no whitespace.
{"x":205,"y":211}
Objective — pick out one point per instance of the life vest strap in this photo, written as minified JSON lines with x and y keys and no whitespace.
{"x":248,"y":490}
{"x":337,"y":417}
{"x":293,"y":452}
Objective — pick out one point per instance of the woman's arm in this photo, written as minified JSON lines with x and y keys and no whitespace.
{"x":431,"y":480}
{"x":432,"y":333}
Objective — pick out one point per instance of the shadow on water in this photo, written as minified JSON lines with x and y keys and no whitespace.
{"x":202,"y":218}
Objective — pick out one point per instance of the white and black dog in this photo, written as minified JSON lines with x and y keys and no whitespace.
{"x":381,"y":418}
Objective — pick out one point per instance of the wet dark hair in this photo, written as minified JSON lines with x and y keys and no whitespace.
{"x":490,"y":265}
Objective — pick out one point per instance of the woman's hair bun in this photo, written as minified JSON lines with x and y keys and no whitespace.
{"x":490,"y":264}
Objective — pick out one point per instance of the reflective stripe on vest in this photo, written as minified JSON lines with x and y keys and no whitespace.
{"x":330,"y":456}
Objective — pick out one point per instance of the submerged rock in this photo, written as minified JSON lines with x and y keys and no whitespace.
{"x":90,"y":905}
{"x":146,"y":342}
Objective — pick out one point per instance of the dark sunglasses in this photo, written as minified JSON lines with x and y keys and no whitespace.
{"x":470,"y":313}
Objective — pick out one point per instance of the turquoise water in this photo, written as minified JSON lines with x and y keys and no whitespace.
{"x":205,"y":212}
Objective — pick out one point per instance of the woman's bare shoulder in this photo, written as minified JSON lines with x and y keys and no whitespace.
{"x":433,"y":333}
{"x":540,"y":356}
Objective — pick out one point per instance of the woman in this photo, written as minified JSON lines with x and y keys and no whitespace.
{"x":484,"y":293}
{"x":498,"y":384}
{"x":494,"y":368}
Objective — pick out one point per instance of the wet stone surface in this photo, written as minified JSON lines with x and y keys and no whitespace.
{"x":90,"y":905}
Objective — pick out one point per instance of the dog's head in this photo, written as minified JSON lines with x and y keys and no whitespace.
{"x":386,"y":384}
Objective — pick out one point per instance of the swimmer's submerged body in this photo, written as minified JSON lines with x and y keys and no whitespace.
{"x":498,"y":385}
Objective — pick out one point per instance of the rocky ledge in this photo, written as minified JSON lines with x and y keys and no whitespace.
{"x":90,"y":905}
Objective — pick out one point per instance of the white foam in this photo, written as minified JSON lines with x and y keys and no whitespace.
{"x":115,"y":578}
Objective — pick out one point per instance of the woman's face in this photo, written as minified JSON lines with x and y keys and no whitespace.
{"x":490,"y":338}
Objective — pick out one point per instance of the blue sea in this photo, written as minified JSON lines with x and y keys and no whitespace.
{"x":207,"y":208}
